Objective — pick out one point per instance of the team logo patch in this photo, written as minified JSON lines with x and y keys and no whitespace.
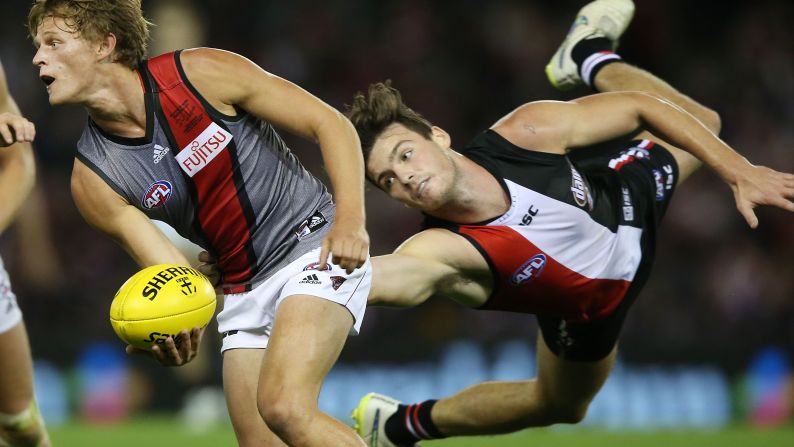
{"x":530,"y":269}
{"x":336,"y":281}
{"x":157,"y":194}
{"x":200,"y":152}
{"x":310,"y":225}
{"x":316,"y":266}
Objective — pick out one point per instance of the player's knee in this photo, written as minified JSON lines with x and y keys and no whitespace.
{"x":572,"y":414}
{"x":284,"y":416}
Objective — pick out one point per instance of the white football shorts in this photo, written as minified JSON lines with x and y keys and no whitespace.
{"x":10,"y":315}
{"x":247,"y":318}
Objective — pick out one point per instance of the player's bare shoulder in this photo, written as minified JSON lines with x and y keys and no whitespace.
{"x":220,"y":76}
{"x":535,"y":126}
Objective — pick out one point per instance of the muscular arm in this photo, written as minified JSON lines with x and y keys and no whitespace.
{"x":227,"y":79}
{"x":558,"y":127}
{"x":17,"y":165}
{"x":106,"y":211}
{"x":433,"y":262}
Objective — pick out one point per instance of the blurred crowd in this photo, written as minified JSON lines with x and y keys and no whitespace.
{"x":720,"y":291}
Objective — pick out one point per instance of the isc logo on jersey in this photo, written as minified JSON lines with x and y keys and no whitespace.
{"x":200,"y":152}
{"x":157,"y":194}
{"x":530,"y":269}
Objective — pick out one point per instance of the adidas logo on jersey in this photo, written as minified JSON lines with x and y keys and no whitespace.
{"x":311,"y":279}
{"x":159,"y":153}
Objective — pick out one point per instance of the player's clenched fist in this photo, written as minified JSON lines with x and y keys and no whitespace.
{"x":15,"y":129}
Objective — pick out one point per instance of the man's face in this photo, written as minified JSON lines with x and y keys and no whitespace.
{"x":412,"y":169}
{"x":65,"y":61}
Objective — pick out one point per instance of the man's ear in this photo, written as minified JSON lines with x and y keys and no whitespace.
{"x":441,"y":137}
{"x":106,"y":48}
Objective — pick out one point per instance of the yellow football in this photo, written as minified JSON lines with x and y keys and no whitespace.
{"x":160,"y":301}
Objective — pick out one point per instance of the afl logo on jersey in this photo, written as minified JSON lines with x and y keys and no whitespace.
{"x":157,"y":194}
{"x":529,"y":270}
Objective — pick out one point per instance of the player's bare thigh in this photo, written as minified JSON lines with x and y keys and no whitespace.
{"x":571,"y":384}
{"x":687,"y":163}
{"x":241,"y":369}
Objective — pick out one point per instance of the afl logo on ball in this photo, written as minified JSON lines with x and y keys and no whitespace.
{"x":157,"y":194}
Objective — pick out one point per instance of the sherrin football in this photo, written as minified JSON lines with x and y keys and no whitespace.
{"x":158,"y":302}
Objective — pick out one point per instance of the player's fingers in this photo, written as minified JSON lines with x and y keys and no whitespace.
{"x":185,"y":346}
{"x":19,"y":130}
{"x":132,"y":350}
{"x":339,"y":254}
{"x":30,"y":131}
{"x":6,"y":134}
{"x":205,"y":256}
{"x":325,"y":248}
{"x":195,"y":339}
{"x":787,"y":205}
{"x":159,"y":355}
{"x":747,"y":211}
{"x":172,"y":352}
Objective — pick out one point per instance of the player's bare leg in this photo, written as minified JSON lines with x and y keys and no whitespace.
{"x":308,"y":335}
{"x":560,"y":393}
{"x":587,"y":56}
{"x":620,"y":76}
{"x":20,"y":421}
{"x":241,"y":369}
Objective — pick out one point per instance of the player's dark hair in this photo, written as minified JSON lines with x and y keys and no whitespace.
{"x":381,"y":107}
{"x":93,"y":20}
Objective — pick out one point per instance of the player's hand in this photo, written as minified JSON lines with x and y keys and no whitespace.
{"x":15,"y":129}
{"x":172,"y":353}
{"x":347,"y":242}
{"x":759,"y":185}
{"x":209,"y":268}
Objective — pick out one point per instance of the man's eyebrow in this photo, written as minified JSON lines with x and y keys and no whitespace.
{"x":391,"y":158}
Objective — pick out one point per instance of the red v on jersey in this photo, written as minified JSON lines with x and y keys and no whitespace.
{"x":207,"y":154}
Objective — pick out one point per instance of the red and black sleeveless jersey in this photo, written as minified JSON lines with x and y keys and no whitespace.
{"x":227,"y":183}
{"x":576,"y":233}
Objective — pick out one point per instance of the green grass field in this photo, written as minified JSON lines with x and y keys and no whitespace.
{"x":166,"y":432}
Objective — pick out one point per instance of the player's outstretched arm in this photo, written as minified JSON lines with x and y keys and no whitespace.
{"x":433,"y":262}
{"x":558,"y":127}
{"x":108,"y":212}
{"x":229,"y":79}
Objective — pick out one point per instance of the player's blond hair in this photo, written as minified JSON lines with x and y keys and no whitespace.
{"x":94,"y":20}
{"x":381,"y":107}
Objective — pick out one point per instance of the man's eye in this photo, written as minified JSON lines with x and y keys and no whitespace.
{"x":407,"y":154}
{"x":388,"y":182}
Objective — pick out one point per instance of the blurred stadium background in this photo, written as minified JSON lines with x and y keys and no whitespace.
{"x":708,"y":346}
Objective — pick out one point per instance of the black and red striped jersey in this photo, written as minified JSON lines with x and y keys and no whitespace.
{"x":572,"y":240}
{"x":227,"y":183}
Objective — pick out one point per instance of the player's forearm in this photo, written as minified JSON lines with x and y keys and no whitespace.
{"x":17,"y":176}
{"x":344,"y":162}
{"x":683,"y":130}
